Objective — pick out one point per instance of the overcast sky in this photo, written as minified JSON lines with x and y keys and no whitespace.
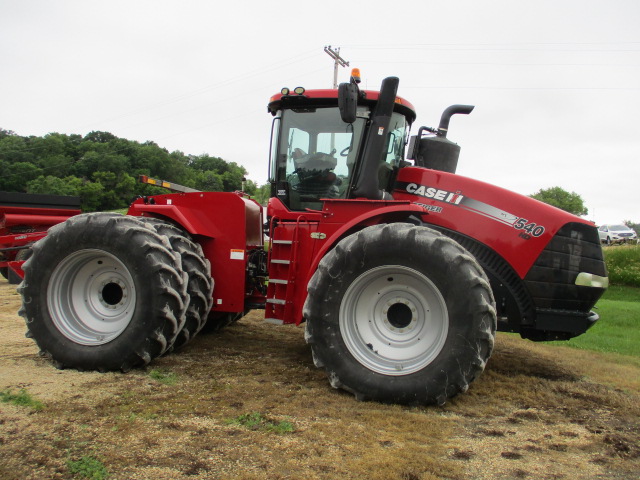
{"x":555,"y":83}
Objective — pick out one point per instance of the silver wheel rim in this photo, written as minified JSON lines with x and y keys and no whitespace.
{"x":393,"y":320}
{"x":91,"y":297}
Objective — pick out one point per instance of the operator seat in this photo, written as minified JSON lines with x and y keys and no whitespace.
{"x":315,"y":172}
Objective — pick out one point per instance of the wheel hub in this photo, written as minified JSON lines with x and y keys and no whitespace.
{"x":393,"y":320}
{"x":113,"y":293}
{"x":91,"y":297}
{"x":400,"y":315}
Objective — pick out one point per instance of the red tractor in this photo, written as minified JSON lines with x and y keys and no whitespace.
{"x":402,"y":271}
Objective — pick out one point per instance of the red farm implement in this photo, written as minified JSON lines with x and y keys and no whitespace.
{"x":24,"y":219}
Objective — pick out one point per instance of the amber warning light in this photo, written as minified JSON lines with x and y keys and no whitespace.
{"x":355,"y":75}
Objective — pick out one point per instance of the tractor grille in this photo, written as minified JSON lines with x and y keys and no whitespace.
{"x":552,"y":279}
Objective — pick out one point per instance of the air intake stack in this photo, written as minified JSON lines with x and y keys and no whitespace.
{"x":437,"y":152}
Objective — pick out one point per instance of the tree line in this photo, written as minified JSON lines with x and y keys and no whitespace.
{"x":102,"y":169}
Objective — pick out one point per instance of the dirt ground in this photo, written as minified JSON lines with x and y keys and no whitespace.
{"x":537,"y":412}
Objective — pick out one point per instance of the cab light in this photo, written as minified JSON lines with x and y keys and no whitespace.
{"x":285,"y":91}
{"x":355,"y":75}
{"x":298,"y":90}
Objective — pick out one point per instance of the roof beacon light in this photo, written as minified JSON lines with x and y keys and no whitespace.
{"x":285,"y":91}
{"x":299,"y":90}
{"x":355,"y":75}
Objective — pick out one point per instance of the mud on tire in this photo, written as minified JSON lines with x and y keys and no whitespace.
{"x":400,"y":314}
{"x":103,"y":291}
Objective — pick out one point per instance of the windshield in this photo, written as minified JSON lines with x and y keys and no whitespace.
{"x":316,"y":153}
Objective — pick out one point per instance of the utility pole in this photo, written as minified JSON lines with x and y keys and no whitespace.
{"x":337,"y":61}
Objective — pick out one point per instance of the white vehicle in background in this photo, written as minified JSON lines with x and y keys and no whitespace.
{"x":610,"y":234}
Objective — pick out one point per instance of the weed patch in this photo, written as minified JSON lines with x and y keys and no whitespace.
{"x":256,"y":421}
{"x":623,"y":264}
{"x":164,"y":377}
{"x":88,"y":467}
{"x":22,"y":399}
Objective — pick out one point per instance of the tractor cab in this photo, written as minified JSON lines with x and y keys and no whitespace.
{"x":319,"y":147}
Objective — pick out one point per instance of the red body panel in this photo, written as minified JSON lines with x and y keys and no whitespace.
{"x":226,"y":225}
{"x":515,"y":226}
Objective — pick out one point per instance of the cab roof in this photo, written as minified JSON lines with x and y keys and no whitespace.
{"x":329,"y":98}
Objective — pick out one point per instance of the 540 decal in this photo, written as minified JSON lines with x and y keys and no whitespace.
{"x":528,"y":229}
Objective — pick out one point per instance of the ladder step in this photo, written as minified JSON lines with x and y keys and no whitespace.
{"x":283,"y":262}
{"x":276,"y":301}
{"x":278,"y":281}
{"x":282,"y":242}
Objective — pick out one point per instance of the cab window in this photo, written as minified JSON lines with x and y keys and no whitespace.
{"x":316,"y":155}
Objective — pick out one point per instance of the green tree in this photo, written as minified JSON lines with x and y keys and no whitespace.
{"x":14,"y":177}
{"x":209,"y":181}
{"x":6,"y":133}
{"x":91,"y":196}
{"x":54,"y":186}
{"x":263,"y":192}
{"x":102,"y":168}
{"x":118,"y":189}
{"x":14,"y":148}
{"x":100,"y":137}
{"x":568,"y":201}
{"x":632,"y":225}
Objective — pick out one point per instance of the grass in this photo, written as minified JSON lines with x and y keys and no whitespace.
{"x":623,"y":263}
{"x":256,"y":421}
{"x":618,"y":330}
{"x":163,"y":376}
{"x":22,"y":399}
{"x":88,"y":467}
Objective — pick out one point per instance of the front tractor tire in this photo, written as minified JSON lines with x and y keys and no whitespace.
{"x":103,"y":292}
{"x":399,"y":313}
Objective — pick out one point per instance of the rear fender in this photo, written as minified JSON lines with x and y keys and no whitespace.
{"x":226,"y":225}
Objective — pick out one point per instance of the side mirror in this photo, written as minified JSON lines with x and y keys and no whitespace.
{"x":348,"y":101}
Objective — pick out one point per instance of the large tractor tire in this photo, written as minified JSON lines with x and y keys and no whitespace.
{"x":103,"y":292}
{"x":399,"y":313}
{"x":200,"y":283}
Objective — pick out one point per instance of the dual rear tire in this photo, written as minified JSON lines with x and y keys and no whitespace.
{"x":104,"y":291}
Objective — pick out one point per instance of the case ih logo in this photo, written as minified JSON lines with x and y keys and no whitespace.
{"x":436,"y":194}
{"x":527,"y":229}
